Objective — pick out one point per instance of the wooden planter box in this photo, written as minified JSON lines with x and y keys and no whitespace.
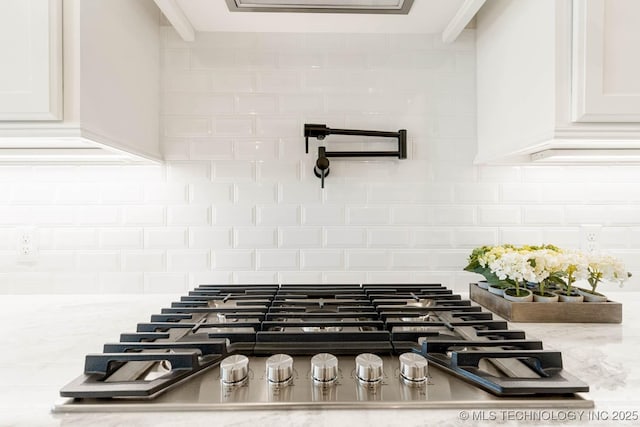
{"x":557,"y":312}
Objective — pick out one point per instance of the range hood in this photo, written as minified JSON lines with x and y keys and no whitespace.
{"x":322,"y":6}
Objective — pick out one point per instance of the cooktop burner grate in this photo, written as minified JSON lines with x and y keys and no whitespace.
{"x":214,"y":325}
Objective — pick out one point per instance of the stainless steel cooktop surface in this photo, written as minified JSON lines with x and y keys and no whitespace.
{"x":320,"y":346}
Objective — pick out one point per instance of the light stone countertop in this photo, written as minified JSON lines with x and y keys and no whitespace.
{"x":46,"y":337}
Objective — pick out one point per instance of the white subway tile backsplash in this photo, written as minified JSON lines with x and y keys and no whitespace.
{"x":234,"y":126}
{"x":522,"y":236}
{"x":98,"y":261}
{"x":144,"y":215}
{"x":476,"y":236}
{"x":297,"y":60}
{"x":235,"y":215}
{"x":202,"y":59}
{"x":201,"y":104}
{"x":233,"y":260}
{"x":165,"y":238}
{"x":300,"y":237}
{"x":305,"y":103}
{"x":306,"y":277}
{"x":237,"y":81}
{"x":255,"y":237}
{"x":451,"y":259}
{"x":416,"y":215}
{"x":96,"y":215}
{"x":61,"y":260}
{"x":563,"y":193}
{"x":38,"y":193}
{"x":233,"y":171}
{"x":566,"y":237}
{"x":411,"y":260}
{"x":341,"y":277}
{"x":615,"y":237}
{"x":454,"y":215}
{"x":278,"y":126}
{"x":345,"y":193}
{"x":552,"y":215}
{"x":520,"y":193}
{"x":368,"y":215}
{"x":261,"y":149}
{"x":389,"y":237}
{"x":323,"y":215}
{"x":476,"y":193}
{"x":188,"y":215}
{"x":210,"y":277}
{"x":180,"y":81}
{"x":165,"y":283}
{"x":188,"y":171}
{"x":187,"y":126}
{"x":249,"y":193}
{"x":251,"y":277}
{"x":623,"y":215}
{"x":237,"y":200}
{"x":257,"y":103}
{"x":143,"y":261}
{"x":588,"y":214}
{"x":368,"y":260}
{"x":72,"y":238}
{"x":210,"y":148}
{"x":432,"y":237}
{"x":76,"y":193}
{"x":166,"y":192}
{"x":499,"y":215}
{"x":278,"y":260}
{"x":345,"y":237}
{"x":287,"y":171}
{"x":278,"y":215}
{"x":117,"y":193}
{"x":209,"y":192}
{"x":304,"y":192}
{"x":280,"y":81}
{"x":322,"y":259}
{"x":188,"y":261}
{"x":121,"y":238}
{"x":210,"y":238}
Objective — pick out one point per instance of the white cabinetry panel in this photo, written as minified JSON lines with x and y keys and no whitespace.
{"x":31,"y":60}
{"x":606,"y":61}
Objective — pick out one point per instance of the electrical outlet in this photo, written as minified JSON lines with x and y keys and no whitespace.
{"x":27,"y":245}
{"x":590,"y":237}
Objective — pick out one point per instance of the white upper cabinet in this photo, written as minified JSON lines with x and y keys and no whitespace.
{"x":557,"y":74}
{"x":606,"y":61}
{"x":110,"y":84}
{"x":31,"y":71}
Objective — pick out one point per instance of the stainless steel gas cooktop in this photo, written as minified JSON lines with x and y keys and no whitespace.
{"x":330,"y":346}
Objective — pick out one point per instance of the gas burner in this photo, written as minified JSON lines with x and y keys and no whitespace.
{"x":232,"y":346}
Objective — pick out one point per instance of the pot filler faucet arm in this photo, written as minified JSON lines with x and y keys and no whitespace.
{"x":321,"y":169}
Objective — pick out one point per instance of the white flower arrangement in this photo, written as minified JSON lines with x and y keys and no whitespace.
{"x":544,"y":265}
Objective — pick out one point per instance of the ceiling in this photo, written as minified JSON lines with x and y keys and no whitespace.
{"x":426,"y":16}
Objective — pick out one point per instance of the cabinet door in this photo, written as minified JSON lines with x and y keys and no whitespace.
{"x":31,"y":58}
{"x":606,"y":62}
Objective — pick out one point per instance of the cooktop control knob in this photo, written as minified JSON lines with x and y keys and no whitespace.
{"x":413,"y":367}
{"x":279,"y":368}
{"x":369,"y":368}
{"x":324,"y":368}
{"x":234,"y":369}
